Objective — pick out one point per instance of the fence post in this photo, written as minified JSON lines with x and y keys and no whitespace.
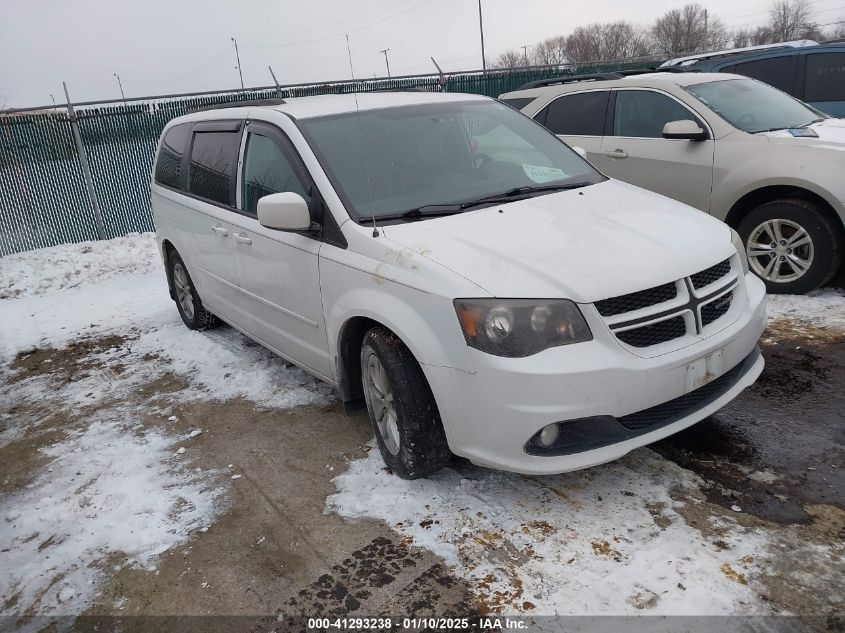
{"x":86,"y":168}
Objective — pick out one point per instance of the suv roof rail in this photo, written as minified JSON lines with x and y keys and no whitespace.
{"x":691,"y":59}
{"x":570,"y":79}
{"x":269,"y":102}
{"x":648,"y":71}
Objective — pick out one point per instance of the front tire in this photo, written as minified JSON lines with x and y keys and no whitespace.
{"x":188,"y":302}
{"x":402,"y":408}
{"x":792,"y":245}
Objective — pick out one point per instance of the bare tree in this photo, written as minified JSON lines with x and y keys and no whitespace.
{"x":742,"y":38}
{"x":550,"y":52}
{"x":837,"y":32}
{"x":789,"y":19}
{"x":511,"y":58}
{"x":690,"y":29}
{"x":609,"y":40}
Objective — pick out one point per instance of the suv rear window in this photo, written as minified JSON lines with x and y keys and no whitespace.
{"x":775,"y":71}
{"x":825,"y":77}
{"x":579,"y":114}
{"x":213,"y":159}
{"x":169,"y":162}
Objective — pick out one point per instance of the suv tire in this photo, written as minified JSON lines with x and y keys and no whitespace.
{"x":794,"y":220}
{"x":401,"y":407}
{"x":188,"y":302}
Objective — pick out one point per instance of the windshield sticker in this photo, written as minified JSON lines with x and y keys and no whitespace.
{"x":538,"y":173}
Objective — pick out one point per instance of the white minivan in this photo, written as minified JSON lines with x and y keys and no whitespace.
{"x":453,"y":266}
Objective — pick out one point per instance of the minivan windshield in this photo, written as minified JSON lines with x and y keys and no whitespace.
{"x":440,"y":158}
{"x":753,"y":106}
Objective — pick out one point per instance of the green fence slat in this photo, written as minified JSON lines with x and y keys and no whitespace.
{"x":43,"y":199}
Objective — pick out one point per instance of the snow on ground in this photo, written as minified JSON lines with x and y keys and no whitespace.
{"x":821,"y":308}
{"x":112,"y":492}
{"x":601,"y":541}
{"x":88,"y":302}
{"x":74,"y":265}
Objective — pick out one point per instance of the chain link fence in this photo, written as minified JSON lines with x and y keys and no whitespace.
{"x":44,"y":197}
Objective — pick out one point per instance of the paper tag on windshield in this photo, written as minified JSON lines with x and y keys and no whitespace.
{"x":538,"y":173}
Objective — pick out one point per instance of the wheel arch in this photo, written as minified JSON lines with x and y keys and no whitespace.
{"x":753,"y":199}
{"x":166,"y":249}
{"x":349,"y":342}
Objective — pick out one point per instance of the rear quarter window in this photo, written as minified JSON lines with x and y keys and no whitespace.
{"x":214,"y":156}
{"x":776,"y":71}
{"x":168,"y":169}
{"x":825,"y":77}
{"x":580,"y":114}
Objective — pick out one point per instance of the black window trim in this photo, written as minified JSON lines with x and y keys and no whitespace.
{"x":220,"y":125}
{"x":609,"y":123}
{"x":329,"y":228}
{"x":180,"y":189}
{"x":545,"y":110}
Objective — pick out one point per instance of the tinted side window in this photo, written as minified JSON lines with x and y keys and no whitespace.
{"x":581,"y":113}
{"x":777,"y":71}
{"x":825,"y":77}
{"x":641,"y":113}
{"x":267,"y":169}
{"x":214,"y":156}
{"x":169,"y":162}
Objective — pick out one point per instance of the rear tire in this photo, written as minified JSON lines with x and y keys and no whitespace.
{"x":188,"y":302}
{"x":792,"y":245}
{"x":402,"y":409}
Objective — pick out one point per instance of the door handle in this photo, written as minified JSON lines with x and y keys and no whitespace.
{"x":220,"y":230}
{"x":616,"y":153}
{"x":242,"y":238}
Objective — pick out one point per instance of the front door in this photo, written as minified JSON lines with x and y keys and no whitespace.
{"x":635,"y":151}
{"x":278,"y":270}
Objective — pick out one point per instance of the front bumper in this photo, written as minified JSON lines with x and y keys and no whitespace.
{"x":490,"y":415}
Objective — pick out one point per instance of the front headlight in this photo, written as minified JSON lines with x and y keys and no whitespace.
{"x":740,"y":249}
{"x":520,"y":327}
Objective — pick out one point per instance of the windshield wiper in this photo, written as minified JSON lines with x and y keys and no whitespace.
{"x":434,"y":210}
{"x":527,"y":190}
{"x":810,"y":123}
{"x":535,"y":188}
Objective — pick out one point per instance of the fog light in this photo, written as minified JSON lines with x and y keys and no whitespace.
{"x":549,"y":434}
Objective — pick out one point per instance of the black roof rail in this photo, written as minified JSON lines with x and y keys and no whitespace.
{"x":270,"y":101}
{"x":570,"y":79}
{"x":657,"y":69}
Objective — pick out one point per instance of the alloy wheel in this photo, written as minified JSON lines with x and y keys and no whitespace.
{"x":380,"y":397}
{"x":183,"y":290}
{"x":780,"y":250}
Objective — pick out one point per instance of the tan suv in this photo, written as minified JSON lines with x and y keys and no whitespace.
{"x":769,"y":165}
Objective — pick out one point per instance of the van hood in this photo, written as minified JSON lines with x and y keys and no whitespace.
{"x":831,"y":135}
{"x":586,"y":244}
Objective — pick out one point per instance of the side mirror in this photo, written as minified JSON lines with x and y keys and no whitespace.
{"x":685,"y":130}
{"x":286,"y":211}
{"x":580,"y":151}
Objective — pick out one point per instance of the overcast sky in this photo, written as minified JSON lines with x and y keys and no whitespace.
{"x":169,"y":46}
